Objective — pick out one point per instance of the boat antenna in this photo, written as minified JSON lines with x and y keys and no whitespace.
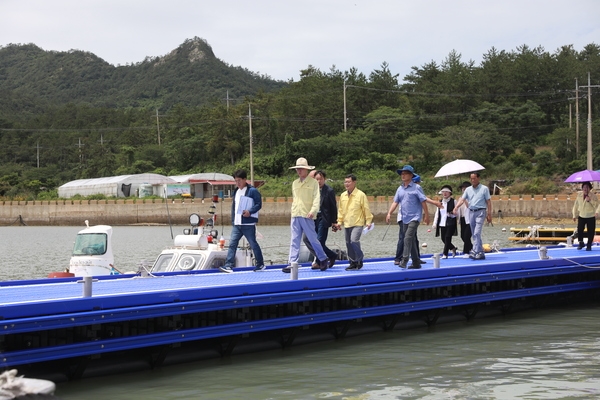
{"x":168,"y":214}
{"x":222,"y":225}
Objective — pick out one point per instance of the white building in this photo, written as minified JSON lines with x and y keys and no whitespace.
{"x":204,"y":185}
{"x":117,"y":186}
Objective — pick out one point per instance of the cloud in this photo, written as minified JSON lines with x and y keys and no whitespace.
{"x":280,"y":38}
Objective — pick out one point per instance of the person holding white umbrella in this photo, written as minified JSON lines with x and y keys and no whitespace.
{"x":479,"y":201}
{"x":463,"y":217}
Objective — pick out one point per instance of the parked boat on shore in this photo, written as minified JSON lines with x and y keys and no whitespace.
{"x":540,"y":234}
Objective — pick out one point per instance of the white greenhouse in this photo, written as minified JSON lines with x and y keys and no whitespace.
{"x":117,"y":186}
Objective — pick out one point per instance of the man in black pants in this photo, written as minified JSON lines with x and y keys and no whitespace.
{"x":325,"y":219}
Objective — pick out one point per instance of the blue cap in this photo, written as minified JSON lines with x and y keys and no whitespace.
{"x":406,"y":168}
{"x":416,"y":178}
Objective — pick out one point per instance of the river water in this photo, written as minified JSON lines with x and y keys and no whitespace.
{"x":538,"y":354}
{"x":30,"y":252}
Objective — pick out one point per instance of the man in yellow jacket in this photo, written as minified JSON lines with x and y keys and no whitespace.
{"x":305,"y":206}
{"x":353,"y":214}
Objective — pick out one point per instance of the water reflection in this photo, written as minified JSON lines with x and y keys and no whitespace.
{"x":542,"y":354}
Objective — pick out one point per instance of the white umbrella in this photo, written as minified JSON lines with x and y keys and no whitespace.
{"x":459,"y":167}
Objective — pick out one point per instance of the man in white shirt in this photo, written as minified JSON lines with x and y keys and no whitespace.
{"x":244,"y":216}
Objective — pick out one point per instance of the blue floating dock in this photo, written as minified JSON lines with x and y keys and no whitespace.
{"x":46,"y":321}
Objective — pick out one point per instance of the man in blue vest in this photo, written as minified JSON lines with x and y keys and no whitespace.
{"x":244,"y":216}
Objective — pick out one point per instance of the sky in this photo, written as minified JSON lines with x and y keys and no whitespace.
{"x":279,"y":38}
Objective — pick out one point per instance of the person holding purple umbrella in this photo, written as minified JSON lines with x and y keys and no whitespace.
{"x":585,"y":212}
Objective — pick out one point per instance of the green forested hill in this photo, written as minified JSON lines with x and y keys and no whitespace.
{"x":190,"y":75}
{"x":66,"y":116}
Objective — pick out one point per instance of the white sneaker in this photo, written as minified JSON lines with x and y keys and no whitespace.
{"x":260,"y":268}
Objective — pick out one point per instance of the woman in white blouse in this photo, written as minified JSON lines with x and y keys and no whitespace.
{"x":445,"y":221}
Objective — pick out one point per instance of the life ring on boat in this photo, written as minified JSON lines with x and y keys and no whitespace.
{"x":61,"y":275}
{"x":187,"y":263}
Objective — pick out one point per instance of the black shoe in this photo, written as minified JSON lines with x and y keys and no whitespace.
{"x":415,"y":266}
{"x":588,"y":249}
{"x":403,"y":264}
{"x":352,"y":267}
{"x":360,"y":265}
{"x":580,"y":247}
{"x":479,"y":256}
{"x":287,"y":269}
{"x":331,"y":261}
{"x":324,"y":264}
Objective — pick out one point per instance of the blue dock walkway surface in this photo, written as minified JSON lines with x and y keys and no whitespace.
{"x":45,"y":320}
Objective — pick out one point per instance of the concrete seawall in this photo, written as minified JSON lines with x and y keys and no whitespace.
{"x":276,"y":211}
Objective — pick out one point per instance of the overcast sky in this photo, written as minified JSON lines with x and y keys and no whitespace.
{"x":279,"y":37}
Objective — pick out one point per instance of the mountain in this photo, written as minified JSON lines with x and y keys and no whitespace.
{"x":32,"y":78}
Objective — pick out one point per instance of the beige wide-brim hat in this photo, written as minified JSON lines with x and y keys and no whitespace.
{"x":302,"y":163}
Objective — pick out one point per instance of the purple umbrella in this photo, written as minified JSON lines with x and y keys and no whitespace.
{"x":587,"y":175}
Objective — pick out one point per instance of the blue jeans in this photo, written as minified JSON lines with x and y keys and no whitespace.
{"x":300,"y":225}
{"x":322,"y":228}
{"x":249,"y":232}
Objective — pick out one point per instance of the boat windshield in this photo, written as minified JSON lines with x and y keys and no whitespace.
{"x":162,"y":262}
{"x":89,"y":244}
{"x":185,"y":262}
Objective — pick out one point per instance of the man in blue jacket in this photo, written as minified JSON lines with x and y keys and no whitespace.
{"x":244,"y":216}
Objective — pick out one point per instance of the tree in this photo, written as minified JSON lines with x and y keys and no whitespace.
{"x":423,"y":152}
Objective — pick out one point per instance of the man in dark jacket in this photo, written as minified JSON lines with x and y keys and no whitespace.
{"x":325,"y":219}
{"x":244,"y":216}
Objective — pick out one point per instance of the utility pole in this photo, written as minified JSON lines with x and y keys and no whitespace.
{"x":157,"y":127}
{"x":38,"y":153}
{"x":589,"y":123}
{"x":344,"y":106}
{"x":251,"y":161}
{"x":576,"y":119}
{"x":80,"y":145}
